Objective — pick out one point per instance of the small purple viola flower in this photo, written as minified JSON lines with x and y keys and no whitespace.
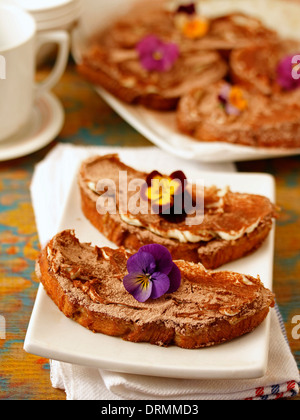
{"x":156,"y":55}
{"x":224,"y":100}
{"x":189,"y":9}
{"x":232,"y":99}
{"x":285,"y":74}
{"x":152,"y":273}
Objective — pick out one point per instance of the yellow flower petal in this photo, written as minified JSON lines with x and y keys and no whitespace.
{"x":237,"y":99}
{"x":162,"y":190}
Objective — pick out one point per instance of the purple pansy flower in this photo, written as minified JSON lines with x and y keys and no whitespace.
{"x":224,"y":100}
{"x":156,"y":55}
{"x":152,"y":273}
{"x":285,"y":74}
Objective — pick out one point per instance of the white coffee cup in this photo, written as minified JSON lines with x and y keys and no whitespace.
{"x":19,"y":45}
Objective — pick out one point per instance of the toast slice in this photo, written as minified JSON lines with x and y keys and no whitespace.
{"x":267,"y":122}
{"x":224,"y":33}
{"x":256,"y":67}
{"x":236,"y":30}
{"x":209,"y":308}
{"x":234,"y":224}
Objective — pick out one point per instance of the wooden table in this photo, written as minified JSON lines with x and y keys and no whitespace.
{"x":89,"y":121}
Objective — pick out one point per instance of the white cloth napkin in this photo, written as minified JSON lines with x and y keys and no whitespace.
{"x":50,"y":184}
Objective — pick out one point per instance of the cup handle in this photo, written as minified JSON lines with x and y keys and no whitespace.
{"x":61,"y":38}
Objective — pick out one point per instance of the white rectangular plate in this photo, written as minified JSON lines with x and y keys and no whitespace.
{"x":52,"y":335}
{"x":160,"y":127}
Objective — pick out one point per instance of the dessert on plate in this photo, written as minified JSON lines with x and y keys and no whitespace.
{"x":213,"y":226}
{"x":155,"y":54}
{"x":148,"y":297}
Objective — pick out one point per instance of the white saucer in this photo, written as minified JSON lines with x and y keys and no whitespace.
{"x":45,"y":124}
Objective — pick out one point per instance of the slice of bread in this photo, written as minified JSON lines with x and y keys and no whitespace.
{"x":237,"y":30}
{"x":209,"y":308}
{"x":119,"y":72}
{"x":267,"y":122}
{"x":234,"y":224}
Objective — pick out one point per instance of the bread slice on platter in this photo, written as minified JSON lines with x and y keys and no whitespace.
{"x":112,"y":60}
{"x":266,"y":122}
{"x":161,"y":17}
{"x":86,"y":283}
{"x":120,"y":73}
{"x":234,"y":225}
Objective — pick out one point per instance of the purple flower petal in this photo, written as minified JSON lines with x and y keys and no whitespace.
{"x":189,"y":9}
{"x":161,"y":255}
{"x":170,"y":55}
{"x":181,"y":178}
{"x":232,"y":110}
{"x":142,"y":262}
{"x":139,"y":286}
{"x":150,"y":64}
{"x":149,"y":43}
{"x":224,"y":93}
{"x":151,"y":273}
{"x":151,"y":176}
{"x":175,"y":279}
{"x":160,"y":285}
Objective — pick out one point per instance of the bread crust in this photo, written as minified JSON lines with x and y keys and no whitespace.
{"x":158,"y":332}
{"x":131,"y":96}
